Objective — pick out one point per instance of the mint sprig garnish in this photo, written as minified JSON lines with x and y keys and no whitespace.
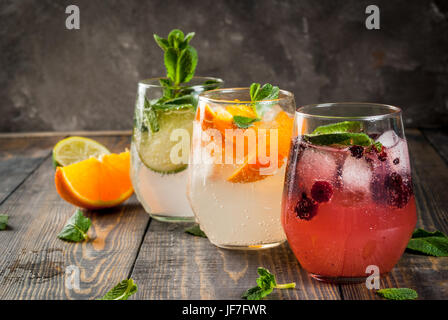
{"x":180,"y":60}
{"x":259,"y":93}
{"x":3,"y":221}
{"x":196,"y":231}
{"x":122,"y":291}
{"x":266,"y":283}
{"x":75,"y":230}
{"x":430,"y":243}
{"x":397,"y":294}
{"x":346,"y":133}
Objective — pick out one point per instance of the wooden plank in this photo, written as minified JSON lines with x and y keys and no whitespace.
{"x":174,"y":265}
{"x":427,"y":275}
{"x":439,"y":140}
{"x":19,"y":157}
{"x":34,"y":261}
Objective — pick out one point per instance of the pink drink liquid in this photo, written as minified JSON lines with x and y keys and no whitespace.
{"x":346,"y":209}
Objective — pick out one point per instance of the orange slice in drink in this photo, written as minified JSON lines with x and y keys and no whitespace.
{"x":96,"y":184}
{"x":249,"y":171}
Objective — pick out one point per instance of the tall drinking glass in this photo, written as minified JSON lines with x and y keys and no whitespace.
{"x":160,"y":145}
{"x":239,"y":153}
{"x":348,"y":203}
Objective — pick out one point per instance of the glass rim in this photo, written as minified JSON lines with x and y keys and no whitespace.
{"x":393,"y":111}
{"x":154,"y":83}
{"x":203,"y":96}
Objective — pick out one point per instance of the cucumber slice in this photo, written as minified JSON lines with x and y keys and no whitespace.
{"x":154,"y":148}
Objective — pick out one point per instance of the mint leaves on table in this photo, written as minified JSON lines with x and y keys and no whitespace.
{"x":122,"y":291}
{"x":346,"y":133}
{"x":75,"y":230}
{"x":398,"y":294}
{"x":196,"y":231}
{"x":429,"y":243}
{"x":266,"y":283}
{"x":3,"y":221}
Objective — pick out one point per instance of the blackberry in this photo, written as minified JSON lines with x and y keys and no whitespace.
{"x":357,"y":151}
{"x":321,"y":191}
{"x":306,"y":208}
{"x":398,"y":191}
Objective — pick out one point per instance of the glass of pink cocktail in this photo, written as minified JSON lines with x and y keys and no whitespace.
{"x":348,"y":201}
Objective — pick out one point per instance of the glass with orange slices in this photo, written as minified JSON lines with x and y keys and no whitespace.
{"x":238,"y":158}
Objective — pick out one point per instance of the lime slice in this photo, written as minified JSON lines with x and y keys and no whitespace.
{"x":154,"y":148}
{"x":75,"y":149}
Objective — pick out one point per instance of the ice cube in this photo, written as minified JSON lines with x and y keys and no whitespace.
{"x":356,"y":174}
{"x":388,"y":139}
{"x":317,"y":164}
{"x":398,"y":157}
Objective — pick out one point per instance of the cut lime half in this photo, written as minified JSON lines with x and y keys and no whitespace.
{"x":75,"y":149}
{"x":156,"y":149}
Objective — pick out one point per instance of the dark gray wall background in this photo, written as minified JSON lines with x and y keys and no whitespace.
{"x":52,"y":78}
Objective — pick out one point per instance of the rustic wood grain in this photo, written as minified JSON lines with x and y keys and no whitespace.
{"x":175,"y":265}
{"x":439,"y":140}
{"x":34,"y":261}
{"x":170,"y":263}
{"x":427,"y":275}
{"x":19,"y":158}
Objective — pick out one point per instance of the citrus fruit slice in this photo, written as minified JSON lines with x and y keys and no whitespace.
{"x":74,"y":149}
{"x":96,"y":184}
{"x":155,"y":148}
{"x":249,"y":171}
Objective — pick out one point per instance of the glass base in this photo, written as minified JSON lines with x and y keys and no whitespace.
{"x":251,"y":247}
{"x":164,"y":218}
{"x":340,"y":280}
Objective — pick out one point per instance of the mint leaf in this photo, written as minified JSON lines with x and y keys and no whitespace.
{"x":122,"y":291}
{"x":344,"y":139}
{"x":170,"y":59}
{"x":167,"y":85}
{"x":187,"y":40}
{"x":258,"y":94}
{"x":429,"y":243}
{"x":254,"y":88}
{"x":163,"y":43}
{"x":346,"y":133}
{"x":196,"y":231}
{"x":187,"y":63}
{"x":150,"y":118}
{"x":244,"y":122}
{"x":339,"y":127}
{"x":76,"y":228}
{"x":398,"y":294}
{"x":266,"y":283}
{"x":3,"y":221}
{"x":175,"y":38}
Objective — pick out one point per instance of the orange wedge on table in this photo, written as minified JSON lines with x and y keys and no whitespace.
{"x":96,"y":183}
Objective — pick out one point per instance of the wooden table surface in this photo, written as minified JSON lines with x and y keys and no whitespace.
{"x":165,"y":262}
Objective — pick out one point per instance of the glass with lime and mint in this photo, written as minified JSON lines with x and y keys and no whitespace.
{"x":163,"y":121}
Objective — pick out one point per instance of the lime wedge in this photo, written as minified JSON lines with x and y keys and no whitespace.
{"x":75,"y":149}
{"x":154,"y":148}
